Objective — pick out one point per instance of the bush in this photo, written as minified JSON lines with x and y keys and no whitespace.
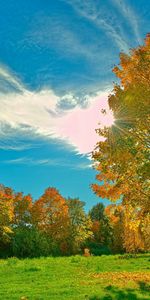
{"x":28,"y":242}
{"x":98,"y":249}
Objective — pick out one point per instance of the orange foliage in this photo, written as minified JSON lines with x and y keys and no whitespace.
{"x":122,"y":160}
{"x":50,"y":214}
{"x":6,"y":215}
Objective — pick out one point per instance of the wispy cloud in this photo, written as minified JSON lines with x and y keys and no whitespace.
{"x":77,"y":42}
{"x":31,"y":161}
{"x":50,"y":32}
{"x":40,"y":113}
{"x":133,"y":20}
{"x":94,"y":12}
{"x":48,"y":162}
{"x":14,"y":147}
{"x":10,"y":79}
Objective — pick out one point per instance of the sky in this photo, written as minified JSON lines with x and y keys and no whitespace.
{"x":56,"y":60}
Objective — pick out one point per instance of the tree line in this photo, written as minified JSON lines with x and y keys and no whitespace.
{"x":53,"y":225}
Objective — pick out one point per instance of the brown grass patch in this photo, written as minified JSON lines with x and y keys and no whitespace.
{"x":123,"y":278}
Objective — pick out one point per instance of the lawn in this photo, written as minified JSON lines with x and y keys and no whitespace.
{"x":90,"y":278}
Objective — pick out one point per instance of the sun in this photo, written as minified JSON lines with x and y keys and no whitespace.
{"x":107,"y":118}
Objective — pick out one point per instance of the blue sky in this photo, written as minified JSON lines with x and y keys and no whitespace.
{"x":56,"y":59}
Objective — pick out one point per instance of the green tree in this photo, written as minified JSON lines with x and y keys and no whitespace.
{"x":22,"y":210}
{"x":29,"y":242}
{"x":79,"y":225}
{"x":101,"y":240}
{"x":97,"y":212}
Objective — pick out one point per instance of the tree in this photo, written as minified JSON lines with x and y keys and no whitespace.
{"x":22,"y":210}
{"x":29,"y":242}
{"x":132,"y":235}
{"x":145,"y":230}
{"x":97,"y":212}
{"x":102,"y":232}
{"x":115,"y":215}
{"x":6,"y":217}
{"x":79,"y":225}
{"x":122,"y":160}
{"x":50,"y":216}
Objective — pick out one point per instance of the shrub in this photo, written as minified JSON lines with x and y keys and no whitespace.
{"x":29,"y":242}
{"x":98,"y":249}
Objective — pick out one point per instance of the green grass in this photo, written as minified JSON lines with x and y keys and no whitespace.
{"x":76,"y":277}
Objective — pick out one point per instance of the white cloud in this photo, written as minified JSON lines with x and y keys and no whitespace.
{"x":38,"y":113}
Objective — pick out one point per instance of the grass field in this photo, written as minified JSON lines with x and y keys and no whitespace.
{"x":76,"y":277}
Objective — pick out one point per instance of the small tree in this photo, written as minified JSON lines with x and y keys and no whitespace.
{"x":101,"y":240}
{"x":79,"y":225}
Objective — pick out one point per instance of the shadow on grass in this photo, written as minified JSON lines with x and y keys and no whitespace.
{"x":133,"y":255}
{"x":113,"y":292}
{"x":144,"y":287}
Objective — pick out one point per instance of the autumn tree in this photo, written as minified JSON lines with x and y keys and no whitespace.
{"x":122,"y":160}
{"x":127,"y":222}
{"x":115,"y":214}
{"x":50,"y":216}
{"x":101,"y":226}
{"x":145,"y":230}
{"x":132,"y":235}
{"x":6,"y":217}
